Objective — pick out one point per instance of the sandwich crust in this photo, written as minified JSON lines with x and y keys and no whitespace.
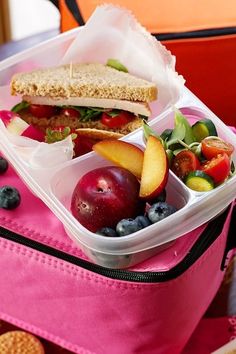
{"x":83,"y":80}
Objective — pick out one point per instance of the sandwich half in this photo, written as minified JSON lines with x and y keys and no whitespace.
{"x":83,"y":96}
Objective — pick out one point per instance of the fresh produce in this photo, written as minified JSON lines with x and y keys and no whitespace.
{"x":70,"y":112}
{"x":104,"y":196}
{"x":218,"y":168}
{"x":42,"y":111}
{"x":184,"y":162}
{"x":110,"y":200}
{"x":155,"y":169}
{"x":160,"y":211}
{"x":127,"y":226}
{"x":213,"y":146}
{"x":116,"y":119}
{"x":122,"y":154}
{"x":83,"y":145}
{"x":142,"y":221}
{"x":107,"y":231}
{"x":9,"y":197}
{"x":199,"y":181}
{"x":3,"y":165}
{"x":203,"y":128}
{"x":191,"y":149}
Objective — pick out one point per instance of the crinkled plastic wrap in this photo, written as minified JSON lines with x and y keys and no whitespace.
{"x":113,"y":32}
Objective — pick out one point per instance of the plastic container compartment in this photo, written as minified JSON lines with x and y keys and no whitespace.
{"x":54,"y":185}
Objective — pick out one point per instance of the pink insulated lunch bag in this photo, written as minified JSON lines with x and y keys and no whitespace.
{"x":49,"y":288}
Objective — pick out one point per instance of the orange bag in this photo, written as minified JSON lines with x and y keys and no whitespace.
{"x":201,"y":34}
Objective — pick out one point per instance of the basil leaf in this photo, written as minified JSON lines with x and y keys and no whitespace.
{"x":88,"y":113}
{"x":147,"y":131}
{"x":177,"y":134}
{"x":181,"y":120}
{"x":19,"y":106}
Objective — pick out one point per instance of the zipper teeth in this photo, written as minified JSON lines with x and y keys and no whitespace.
{"x":204,"y":33}
{"x":208,"y":236}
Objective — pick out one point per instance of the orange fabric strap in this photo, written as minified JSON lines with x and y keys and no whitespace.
{"x":160,"y":16}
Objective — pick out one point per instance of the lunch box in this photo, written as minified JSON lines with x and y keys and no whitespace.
{"x":55,"y":183}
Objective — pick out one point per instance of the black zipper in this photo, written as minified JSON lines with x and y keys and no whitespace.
{"x":209,"y":235}
{"x":204,"y":33}
{"x":75,"y":11}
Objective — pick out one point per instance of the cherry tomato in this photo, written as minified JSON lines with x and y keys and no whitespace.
{"x":218,"y":168}
{"x":70,"y":112}
{"x":184,"y":162}
{"x":117,"y":121}
{"x":43,"y":111}
{"x":212,"y":147}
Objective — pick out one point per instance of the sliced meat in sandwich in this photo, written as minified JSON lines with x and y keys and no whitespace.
{"x":84,"y":96}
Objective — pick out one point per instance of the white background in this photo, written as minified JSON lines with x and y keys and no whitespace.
{"x":29,"y":17}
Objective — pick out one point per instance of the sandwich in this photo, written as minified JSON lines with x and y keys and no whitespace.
{"x":90,"y":99}
{"x":81,"y":87}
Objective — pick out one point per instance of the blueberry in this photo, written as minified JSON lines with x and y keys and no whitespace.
{"x":127,"y":226}
{"x":9,"y":197}
{"x":159,"y":211}
{"x":142,"y":221}
{"x":3,"y":165}
{"x":107,"y":231}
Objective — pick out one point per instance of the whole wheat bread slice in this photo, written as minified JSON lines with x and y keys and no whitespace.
{"x":83,"y":80}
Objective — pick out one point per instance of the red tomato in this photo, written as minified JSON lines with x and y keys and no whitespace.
{"x":70,"y":112}
{"x":117,"y":121}
{"x":42,"y":111}
{"x":218,"y":168}
{"x":185,"y":162}
{"x":212,"y":147}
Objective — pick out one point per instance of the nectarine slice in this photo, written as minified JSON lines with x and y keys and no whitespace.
{"x":155,"y":169}
{"x":121,"y":153}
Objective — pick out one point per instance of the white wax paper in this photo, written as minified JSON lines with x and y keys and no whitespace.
{"x":113,"y":32}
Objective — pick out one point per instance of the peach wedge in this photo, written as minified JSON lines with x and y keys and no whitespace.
{"x":122,"y":154}
{"x":155,"y":169}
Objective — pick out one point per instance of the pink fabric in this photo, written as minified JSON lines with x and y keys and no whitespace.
{"x":88,"y":313}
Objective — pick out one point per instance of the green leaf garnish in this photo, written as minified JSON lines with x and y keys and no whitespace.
{"x":58,"y":134}
{"x":180,"y":120}
{"x":147,"y":131}
{"x":87,"y":113}
{"x":116,"y":64}
{"x":20,"y":106}
{"x":177,"y":134}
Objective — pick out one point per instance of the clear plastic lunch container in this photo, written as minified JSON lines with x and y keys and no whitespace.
{"x":54,"y":185}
